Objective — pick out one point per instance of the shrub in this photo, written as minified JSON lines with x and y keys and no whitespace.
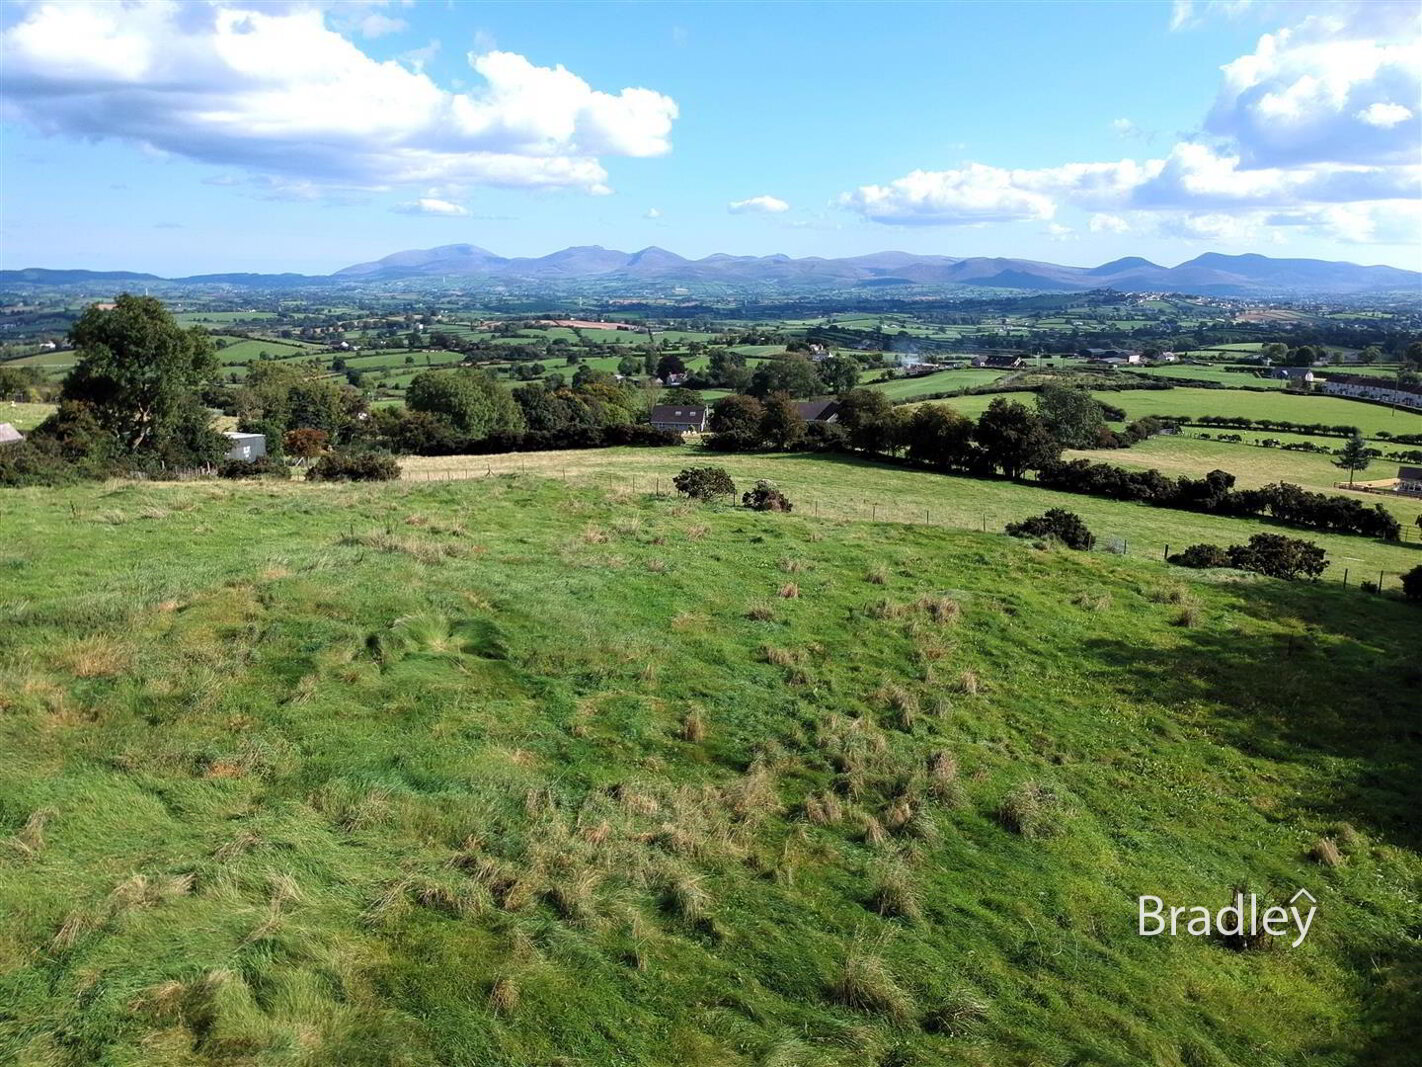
{"x":1064,"y":526}
{"x":252,"y":468}
{"x":354,"y":467}
{"x":1201,"y":557}
{"x":765,"y":497}
{"x":1412,"y":583}
{"x":1279,"y":557}
{"x":704,"y":483}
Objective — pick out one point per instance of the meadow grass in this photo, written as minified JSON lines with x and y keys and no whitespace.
{"x":435,"y":774}
{"x":25,"y":416}
{"x":848,"y":487}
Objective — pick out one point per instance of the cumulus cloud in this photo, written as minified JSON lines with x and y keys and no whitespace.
{"x":279,"y":91}
{"x":430,"y":205}
{"x":758,"y":205}
{"x":1320,"y":93}
{"x":974,"y":194}
{"x":652,"y":213}
{"x":1103,"y":223}
{"x":378,"y":25}
{"x":1309,"y":126}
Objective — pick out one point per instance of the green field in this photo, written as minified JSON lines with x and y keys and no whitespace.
{"x":850,"y":488}
{"x":938,"y":382}
{"x":24,"y":416}
{"x":1185,"y":401}
{"x":510,"y":773}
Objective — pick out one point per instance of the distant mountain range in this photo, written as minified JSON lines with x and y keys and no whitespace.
{"x":1211,"y":274}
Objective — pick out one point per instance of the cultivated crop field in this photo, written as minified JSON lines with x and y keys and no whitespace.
{"x":511,"y":772}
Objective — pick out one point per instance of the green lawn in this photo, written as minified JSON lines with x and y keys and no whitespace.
{"x":937,"y":382}
{"x":510,"y":773}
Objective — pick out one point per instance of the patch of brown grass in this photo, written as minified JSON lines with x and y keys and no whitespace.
{"x":790,"y":591}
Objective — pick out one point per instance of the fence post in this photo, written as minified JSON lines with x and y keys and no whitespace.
{"x":1166,"y":556}
{"x":1380,"y":581}
{"x":1345,"y":577}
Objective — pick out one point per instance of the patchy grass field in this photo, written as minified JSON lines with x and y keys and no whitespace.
{"x":847,"y":487}
{"x":25,"y":416}
{"x":510,"y":773}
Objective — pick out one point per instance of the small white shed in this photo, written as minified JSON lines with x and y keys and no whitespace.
{"x":248,"y":446}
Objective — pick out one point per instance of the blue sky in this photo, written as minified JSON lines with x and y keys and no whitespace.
{"x":183,"y":138}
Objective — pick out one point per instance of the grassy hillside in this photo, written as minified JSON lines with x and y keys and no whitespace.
{"x":512,"y":772}
{"x":848,"y":487}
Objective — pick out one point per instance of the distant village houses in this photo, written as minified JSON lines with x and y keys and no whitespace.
{"x":1363,"y":387}
{"x":679,"y":419}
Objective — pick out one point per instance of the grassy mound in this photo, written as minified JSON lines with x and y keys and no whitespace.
{"x":508,"y":772}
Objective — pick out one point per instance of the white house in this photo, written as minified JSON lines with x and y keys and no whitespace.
{"x":1364,"y":387}
{"x":248,"y":446}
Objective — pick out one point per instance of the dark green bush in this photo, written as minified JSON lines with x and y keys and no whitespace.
{"x":1202,"y":556}
{"x":1412,"y":583}
{"x":766,"y":497}
{"x":1279,"y":557}
{"x":354,"y":467}
{"x":704,"y":483}
{"x":1064,"y":526}
{"x":263,"y":466}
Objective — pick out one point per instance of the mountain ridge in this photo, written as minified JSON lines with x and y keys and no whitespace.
{"x":1211,"y":273}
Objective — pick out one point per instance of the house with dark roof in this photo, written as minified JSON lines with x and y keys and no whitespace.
{"x":819,"y":410}
{"x":1409,"y":480}
{"x":679,"y":418}
{"x":1292,"y":374}
{"x":998,"y":362}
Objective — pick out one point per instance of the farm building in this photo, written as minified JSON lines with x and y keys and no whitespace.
{"x":679,"y":419}
{"x":819,"y":410}
{"x":1361,"y":387}
{"x":248,"y":446}
{"x":1292,"y":374}
{"x":9,"y":435}
{"x":1409,"y":480}
{"x":998,"y":362}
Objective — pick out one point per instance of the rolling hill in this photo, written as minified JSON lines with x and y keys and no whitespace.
{"x":1211,"y":274}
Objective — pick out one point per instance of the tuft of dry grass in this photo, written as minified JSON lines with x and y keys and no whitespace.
{"x":29,"y":839}
{"x":760,"y":611}
{"x":794,"y":566}
{"x":693,"y":727}
{"x":941,"y":609}
{"x":823,"y":809}
{"x":94,"y":657}
{"x":503,"y":995}
{"x":1032,"y":810}
{"x":865,"y":984}
{"x":1092,"y":601}
{"x":657,"y":566}
{"x":968,"y":683}
{"x":894,"y":894}
{"x":790,"y":591}
{"x":781,"y":657}
{"x":686,"y":896}
{"x":594,"y":535}
{"x":1188,"y":617}
{"x":960,"y":1011}
{"x":697,"y":531}
{"x":877,"y":574}
{"x":1325,"y":851}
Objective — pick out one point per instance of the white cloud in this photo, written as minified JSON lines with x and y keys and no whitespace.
{"x":429,"y":205}
{"x":278,"y":91}
{"x":652,"y":213}
{"x":974,"y":194}
{"x":1383,"y":115}
{"x":758,"y":205}
{"x":378,"y":25}
{"x":1101,"y":223}
{"x":1314,"y":93}
{"x":1305,"y":127}
{"x":1057,"y":232}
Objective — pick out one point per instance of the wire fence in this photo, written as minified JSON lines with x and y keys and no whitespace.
{"x":1353,"y":574}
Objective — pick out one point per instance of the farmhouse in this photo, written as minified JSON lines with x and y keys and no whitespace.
{"x":1292,"y":374}
{"x":679,"y":419}
{"x":819,"y":410}
{"x":998,"y":362}
{"x":1362,"y":387}
{"x":9,"y":435}
{"x":248,"y":446}
{"x":1409,"y":480}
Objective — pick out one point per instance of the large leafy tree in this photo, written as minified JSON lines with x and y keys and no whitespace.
{"x":471,"y":401}
{"x":840,"y":374}
{"x":794,"y":375}
{"x":1071,"y":416}
{"x":141,"y":375}
{"x":939,"y":436}
{"x":1015,"y":438}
